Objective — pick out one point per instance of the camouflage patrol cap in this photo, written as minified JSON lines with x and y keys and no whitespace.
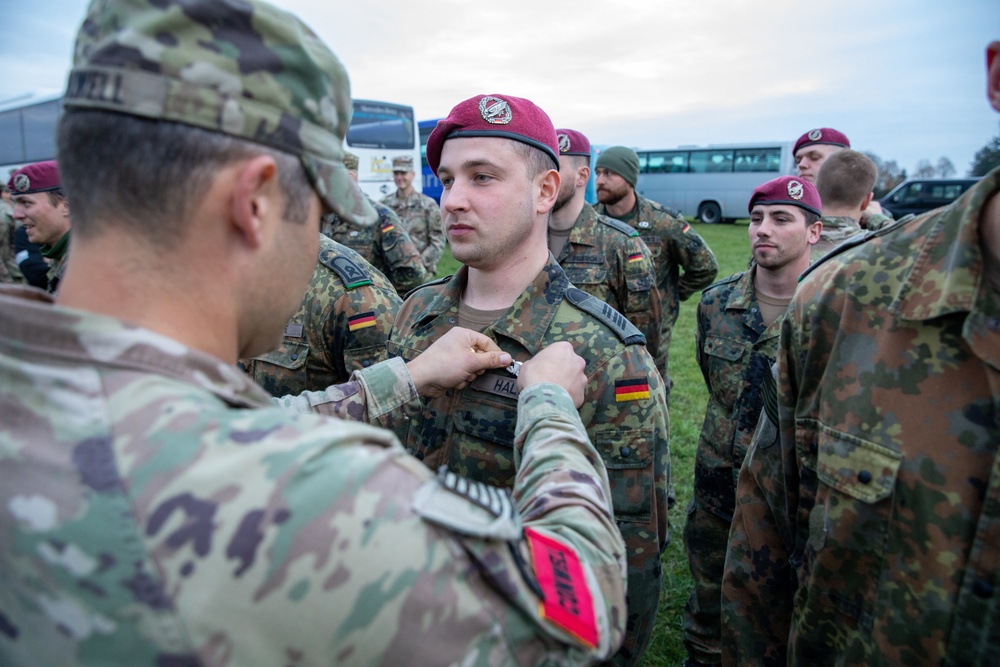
{"x":822,"y":135}
{"x":500,"y":116}
{"x":572,"y":142}
{"x":38,"y":177}
{"x":787,"y":190}
{"x":402,"y":163}
{"x":245,"y":69}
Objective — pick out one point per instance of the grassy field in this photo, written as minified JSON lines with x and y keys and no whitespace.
{"x":687,"y":410}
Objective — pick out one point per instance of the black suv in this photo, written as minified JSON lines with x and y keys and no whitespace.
{"x":918,"y":195}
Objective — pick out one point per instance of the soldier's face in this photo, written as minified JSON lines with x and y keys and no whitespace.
{"x":403,"y":179}
{"x":569,"y":176}
{"x":611,"y":187}
{"x":488,"y":201}
{"x":44,"y":223}
{"x":810,"y":158}
{"x":779,"y":235}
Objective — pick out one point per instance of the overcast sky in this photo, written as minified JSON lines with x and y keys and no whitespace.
{"x":904,"y":79}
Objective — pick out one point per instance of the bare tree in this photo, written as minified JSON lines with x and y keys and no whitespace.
{"x":889,"y":174}
{"x":924,"y":170}
{"x":945,"y":169}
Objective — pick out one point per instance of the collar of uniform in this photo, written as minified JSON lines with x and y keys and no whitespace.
{"x":948,"y":273}
{"x":740,"y":294}
{"x":840,"y":222}
{"x":45,"y":330}
{"x":581,"y":234}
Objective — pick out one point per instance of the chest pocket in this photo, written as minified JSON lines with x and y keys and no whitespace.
{"x":725,"y":357}
{"x":629,"y":458}
{"x":849,"y":522}
{"x":283,"y":371}
{"x":483,"y":443}
{"x":653,"y":243}
{"x":585,"y":269}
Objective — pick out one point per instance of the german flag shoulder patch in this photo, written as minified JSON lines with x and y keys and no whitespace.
{"x":631,"y":390}
{"x":361,"y":321}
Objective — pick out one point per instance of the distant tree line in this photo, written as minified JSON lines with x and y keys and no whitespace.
{"x":890,"y":174}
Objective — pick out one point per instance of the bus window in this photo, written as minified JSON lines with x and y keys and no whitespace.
{"x":11,"y":141}
{"x":39,"y":123}
{"x":757,"y":159}
{"x":668,"y":162}
{"x":711,"y":161}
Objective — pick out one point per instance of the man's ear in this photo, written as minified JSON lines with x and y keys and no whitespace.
{"x":867,"y":200}
{"x":256,"y":197}
{"x":548,"y":190}
{"x":582,"y":176}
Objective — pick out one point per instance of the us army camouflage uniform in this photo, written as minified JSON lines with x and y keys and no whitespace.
{"x":341,"y":326}
{"x":867,"y":535}
{"x":735,"y":352}
{"x":385,"y":245}
{"x":624,"y":409}
{"x":157,"y":511}
{"x":421,"y":218}
{"x":836,"y":230}
{"x":606,"y":258}
{"x":9,"y":272}
{"x":674,"y":247}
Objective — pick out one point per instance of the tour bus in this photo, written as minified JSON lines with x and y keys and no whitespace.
{"x":379,"y":132}
{"x":713,"y":183}
{"x":27,"y":130}
{"x":431,"y":184}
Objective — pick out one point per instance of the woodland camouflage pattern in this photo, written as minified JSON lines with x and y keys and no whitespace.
{"x":836,"y":230}
{"x":9,"y":271}
{"x":421,"y":218}
{"x":472,"y":430}
{"x":606,"y":258}
{"x":242,"y":68}
{"x":674,"y":246}
{"x":157,"y":510}
{"x":385,"y":245}
{"x":868,"y":534}
{"x":735,"y":352}
{"x":341,"y":326}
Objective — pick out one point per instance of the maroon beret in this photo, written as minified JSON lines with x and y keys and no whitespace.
{"x":572,"y":142}
{"x":500,"y":116}
{"x":788,"y":190}
{"x":822,"y":135}
{"x":38,"y":177}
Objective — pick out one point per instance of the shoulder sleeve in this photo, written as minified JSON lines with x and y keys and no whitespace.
{"x":618,"y":323}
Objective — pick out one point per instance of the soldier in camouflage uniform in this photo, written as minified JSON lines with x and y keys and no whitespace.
{"x":813,"y":149}
{"x":9,"y":271}
{"x":602,"y":256}
{"x":385,"y":245}
{"x":157,"y":509}
{"x":494,"y":154}
{"x":341,"y":326}
{"x":736,"y":341}
{"x":674,"y":245}
{"x":419,"y":214}
{"x":845,"y":183}
{"x":42,"y":210}
{"x":867,"y":534}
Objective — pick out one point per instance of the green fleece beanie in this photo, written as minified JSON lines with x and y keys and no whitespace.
{"x":621,"y":160}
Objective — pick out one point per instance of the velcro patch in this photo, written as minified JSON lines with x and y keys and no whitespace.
{"x":468,"y":507}
{"x":293,"y":330}
{"x":499,"y":385}
{"x":388,"y":228}
{"x":635,"y":257}
{"x":631,"y":390}
{"x":361,"y":321}
{"x":567,"y":600}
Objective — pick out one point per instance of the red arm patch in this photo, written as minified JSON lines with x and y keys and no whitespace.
{"x":567,"y":602}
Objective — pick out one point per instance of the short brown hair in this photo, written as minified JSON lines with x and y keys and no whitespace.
{"x":845,"y":179}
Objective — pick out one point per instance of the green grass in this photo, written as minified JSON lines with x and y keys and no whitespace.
{"x":687,"y":410}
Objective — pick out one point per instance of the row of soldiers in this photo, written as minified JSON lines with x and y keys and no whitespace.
{"x":512,"y":508}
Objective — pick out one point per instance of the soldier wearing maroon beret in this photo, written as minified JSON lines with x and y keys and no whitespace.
{"x":498,"y":158}
{"x":602,"y":256}
{"x":738,"y":322}
{"x":41,"y":208}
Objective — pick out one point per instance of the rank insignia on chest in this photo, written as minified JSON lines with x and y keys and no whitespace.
{"x":361,"y":321}
{"x":642,"y":224}
{"x":631,"y":390}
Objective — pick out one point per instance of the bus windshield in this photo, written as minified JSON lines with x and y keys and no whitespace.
{"x":379,"y":132}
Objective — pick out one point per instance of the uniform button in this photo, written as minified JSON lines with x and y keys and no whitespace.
{"x":864,"y":477}
{"x":983,"y":589}
{"x":294,"y":357}
{"x":451,"y":320}
{"x":447,"y":392}
{"x":626,"y":452}
{"x":994,"y":324}
{"x":468,"y":416}
{"x":366,"y":363}
{"x":420,"y":455}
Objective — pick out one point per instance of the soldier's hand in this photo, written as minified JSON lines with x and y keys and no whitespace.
{"x":559,"y":364}
{"x":454,"y":360}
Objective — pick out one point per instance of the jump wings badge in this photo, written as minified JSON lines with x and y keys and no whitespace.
{"x":495,"y":110}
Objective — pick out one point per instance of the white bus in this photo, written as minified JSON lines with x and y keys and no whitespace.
{"x":379,"y":131}
{"x":713,"y":183}
{"x":27,"y":130}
